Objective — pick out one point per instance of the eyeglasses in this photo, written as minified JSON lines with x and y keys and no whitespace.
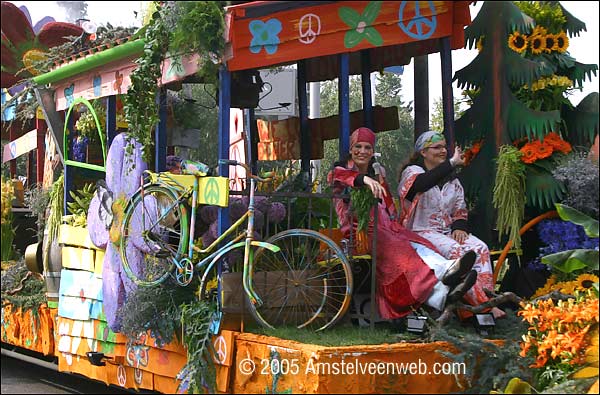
{"x":437,"y":147}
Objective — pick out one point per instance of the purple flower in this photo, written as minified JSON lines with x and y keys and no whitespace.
{"x":276,"y":213}
{"x":559,"y":235}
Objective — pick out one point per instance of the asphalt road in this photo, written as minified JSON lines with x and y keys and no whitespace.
{"x":19,"y":377}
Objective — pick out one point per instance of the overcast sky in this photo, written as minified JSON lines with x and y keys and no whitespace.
{"x":583,"y":48}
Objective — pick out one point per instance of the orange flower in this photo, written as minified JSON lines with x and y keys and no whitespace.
{"x":542,"y":150}
{"x":557,"y":143}
{"x":529,"y":153}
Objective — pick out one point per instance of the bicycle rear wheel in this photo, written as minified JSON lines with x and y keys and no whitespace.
{"x":155,"y":228}
{"x":307,"y":284}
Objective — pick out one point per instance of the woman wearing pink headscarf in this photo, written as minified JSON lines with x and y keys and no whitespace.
{"x":410,"y":272}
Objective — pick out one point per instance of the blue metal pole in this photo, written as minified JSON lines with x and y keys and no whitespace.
{"x":68,"y":176}
{"x":366,"y":89}
{"x":160,"y":133}
{"x":447,"y":96}
{"x":305,"y":138}
{"x":344,"y":104}
{"x":224,"y":111}
{"x":111,"y":119}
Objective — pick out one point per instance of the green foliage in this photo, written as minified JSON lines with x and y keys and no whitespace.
{"x":546,"y":13}
{"x":30,"y":296}
{"x":589,"y":224}
{"x":81,"y":203}
{"x":437,"y":117}
{"x":86,"y":124}
{"x":157,"y":309}
{"x":509,"y":193}
{"x":56,"y":208}
{"x":488,"y":366}
{"x":37,"y":199}
{"x":199,"y":29}
{"x":198,"y":375}
{"x":140,"y":106}
{"x":7,"y":231}
{"x":340,"y":336}
{"x":572,"y":260}
{"x":362,"y":201}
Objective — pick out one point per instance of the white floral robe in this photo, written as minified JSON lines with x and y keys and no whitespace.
{"x":431,"y":214}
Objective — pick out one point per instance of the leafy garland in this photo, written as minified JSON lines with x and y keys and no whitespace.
{"x":32,"y":293}
{"x":362,"y":201}
{"x":509,"y":193}
{"x":198,"y":375}
{"x":140,"y":106}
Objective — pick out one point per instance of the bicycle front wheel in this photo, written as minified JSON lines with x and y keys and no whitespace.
{"x":307,"y":284}
{"x":154,"y":235}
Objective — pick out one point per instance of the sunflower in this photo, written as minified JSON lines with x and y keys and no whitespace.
{"x":479,"y":44}
{"x":551,"y":43}
{"x":586,"y":280}
{"x":539,"y":31}
{"x":517,"y":42}
{"x":562,"y":42}
{"x":537,"y":44}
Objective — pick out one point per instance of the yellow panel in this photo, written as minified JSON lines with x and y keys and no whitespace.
{"x":214,"y":191}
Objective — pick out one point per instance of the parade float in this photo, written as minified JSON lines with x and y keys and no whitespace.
{"x":111,"y":115}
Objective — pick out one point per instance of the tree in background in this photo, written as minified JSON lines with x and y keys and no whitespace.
{"x":437,"y":117}
{"x":499,"y":115}
{"x":395,"y":145}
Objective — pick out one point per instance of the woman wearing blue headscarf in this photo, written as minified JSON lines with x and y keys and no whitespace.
{"x":433,"y":205}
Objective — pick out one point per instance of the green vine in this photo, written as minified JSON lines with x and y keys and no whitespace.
{"x":198,"y":375}
{"x":140,"y":106}
{"x":362,"y":201}
{"x":509,"y":193}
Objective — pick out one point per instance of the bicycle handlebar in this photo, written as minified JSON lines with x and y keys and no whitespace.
{"x":265,"y":177}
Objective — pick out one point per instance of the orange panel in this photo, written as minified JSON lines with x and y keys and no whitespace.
{"x":281,"y":37}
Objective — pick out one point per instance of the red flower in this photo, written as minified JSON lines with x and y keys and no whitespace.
{"x":23,"y":44}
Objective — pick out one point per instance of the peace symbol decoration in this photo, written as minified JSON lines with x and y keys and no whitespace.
{"x":214,"y":191}
{"x":220,"y":350}
{"x":309,"y":28}
{"x":424,"y":26}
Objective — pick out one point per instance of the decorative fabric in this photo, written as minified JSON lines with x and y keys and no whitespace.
{"x":431,"y":214}
{"x":427,"y":139}
{"x":362,"y":135}
{"x":404,"y":279}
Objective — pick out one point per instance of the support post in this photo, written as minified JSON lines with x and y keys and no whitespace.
{"x":366,"y":89}
{"x":447,"y":96}
{"x":421,"y":95}
{"x":111,"y":120}
{"x":305,"y":137}
{"x":344,"y":104}
{"x":224,"y":120}
{"x":160,"y":133}
{"x":41,"y":128}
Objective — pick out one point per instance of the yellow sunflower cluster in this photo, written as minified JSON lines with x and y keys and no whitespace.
{"x":553,"y":80}
{"x":539,"y":41}
{"x":582,"y":283}
{"x":558,"y":331}
{"x":7,"y":198}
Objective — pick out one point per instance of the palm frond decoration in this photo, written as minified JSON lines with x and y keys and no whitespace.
{"x":582,"y":121}
{"x":579,"y":72}
{"x":524,"y":122}
{"x":573,"y":26}
{"x":541,"y":188}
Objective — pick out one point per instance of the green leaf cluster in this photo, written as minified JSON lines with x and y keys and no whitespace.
{"x":572,"y":260}
{"x":199,"y":372}
{"x":81,"y":203}
{"x":509,"y":193}
{"x":140,"y":105}
{"x":545,"y":13}
{"x":361,"y":203}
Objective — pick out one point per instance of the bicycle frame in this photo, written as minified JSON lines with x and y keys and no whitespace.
{"x":209,"y":261}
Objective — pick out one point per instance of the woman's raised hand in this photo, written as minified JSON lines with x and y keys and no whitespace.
{"x":377,"y":189}
{"x":458,"y":158}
